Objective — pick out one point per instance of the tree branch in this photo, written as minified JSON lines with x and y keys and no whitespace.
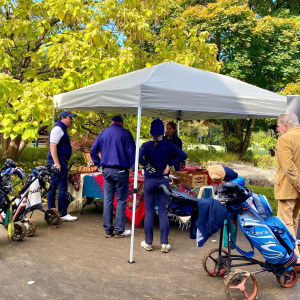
{"x":89,"y":130}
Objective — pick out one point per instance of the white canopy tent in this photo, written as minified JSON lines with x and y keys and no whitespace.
{"x":171,"y":90}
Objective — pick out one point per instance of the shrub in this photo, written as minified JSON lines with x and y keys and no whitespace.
{"x":269,"y":143}
{"x":265,"y":161}
{"x":202,"y":157}
{"x":248,"y":156}
{"x":82,"y":143}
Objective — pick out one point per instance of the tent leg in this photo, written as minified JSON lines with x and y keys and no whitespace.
{"x":53,"y":116}
{"x":179,"y":112}
{"x":136,"y":169}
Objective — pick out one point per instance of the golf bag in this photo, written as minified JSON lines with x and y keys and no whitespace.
{"x":267,"y":234}
{"x":30,"y":196}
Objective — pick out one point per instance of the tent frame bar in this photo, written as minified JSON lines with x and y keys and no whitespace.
{"x":136,"y":169}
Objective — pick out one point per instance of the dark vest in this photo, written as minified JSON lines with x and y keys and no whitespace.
{"x":64,"y":149}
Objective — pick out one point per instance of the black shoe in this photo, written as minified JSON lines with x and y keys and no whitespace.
{"x":109,"y":235}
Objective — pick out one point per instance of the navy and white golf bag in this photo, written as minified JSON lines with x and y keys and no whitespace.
{"x":267,"y":234}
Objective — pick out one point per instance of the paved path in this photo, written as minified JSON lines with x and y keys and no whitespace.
{"x":75,"y":261}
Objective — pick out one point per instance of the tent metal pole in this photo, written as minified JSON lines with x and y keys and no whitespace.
{"x":178,"y":120}
{"x":53,"y":115}
{"x":136,"y":169}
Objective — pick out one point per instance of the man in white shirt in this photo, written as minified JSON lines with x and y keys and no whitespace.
{"x":60,"y":151}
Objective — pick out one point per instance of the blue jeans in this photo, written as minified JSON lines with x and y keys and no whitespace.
{"x":59,"y":183}
{"x":115,"y":181}
{"x":151,"y":192}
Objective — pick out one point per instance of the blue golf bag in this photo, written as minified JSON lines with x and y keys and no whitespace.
{"x":267,"y":234}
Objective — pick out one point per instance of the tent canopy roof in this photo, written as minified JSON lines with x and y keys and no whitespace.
{"x":165,"y":89}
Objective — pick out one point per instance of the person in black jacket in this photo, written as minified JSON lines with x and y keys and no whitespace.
{"x":172,"y":136}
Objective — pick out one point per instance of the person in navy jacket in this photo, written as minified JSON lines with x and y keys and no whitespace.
{"x":117,"y":149}
{"x":60,"y":151}
{"x":157,"y":156}
{"x":172,"y":136}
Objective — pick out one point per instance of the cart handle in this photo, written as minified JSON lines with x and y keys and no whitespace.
{"x":166,"y":190}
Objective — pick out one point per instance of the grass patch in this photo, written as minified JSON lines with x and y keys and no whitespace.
{"x":202,"y":157}
{"x":268,"y":192}
{"x":32,"y":157}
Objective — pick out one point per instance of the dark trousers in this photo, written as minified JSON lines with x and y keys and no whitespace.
{"x":151,"y":192}
{"x":115,"y":181}
{"x":59,"y":183}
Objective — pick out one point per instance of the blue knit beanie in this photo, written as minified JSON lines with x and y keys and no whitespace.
{"x":157,"y":127}
{"x":117,"y":119}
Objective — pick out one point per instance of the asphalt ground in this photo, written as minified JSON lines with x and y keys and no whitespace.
{"x":75,"y":261}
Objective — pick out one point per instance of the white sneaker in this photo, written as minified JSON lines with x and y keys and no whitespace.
{"x":165,"y":248}
{"x":127,"y":232}
{"x":146,"y":246}
{"x":68,"y":218}
{"x":298,"y":242}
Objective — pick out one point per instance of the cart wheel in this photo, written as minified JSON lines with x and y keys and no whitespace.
{"x":52,"y":216}
{"x":20,"y":231}
{"x":30,"y":226}
{"x":288,"y":278}
{"x":213,"y":264}
{"x":240,"y":284}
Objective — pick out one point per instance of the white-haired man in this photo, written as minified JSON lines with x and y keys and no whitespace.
{"x":287,"y":180}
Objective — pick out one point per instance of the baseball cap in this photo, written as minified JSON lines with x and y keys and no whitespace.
{"x":117,"y":119}
{"x":67,"y":113}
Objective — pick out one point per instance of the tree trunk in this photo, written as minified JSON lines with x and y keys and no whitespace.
{"x":246,"y":142}
{"x":22,"y":146}
{"x":228,"y":134}
{"x":236,"y":136}
{"x":13,"y":148}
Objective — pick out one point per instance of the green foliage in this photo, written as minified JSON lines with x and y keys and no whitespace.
{"x":275,"y":7}
{"x":49,"y":47}
{"x":202,"y":157}
{"x":248,"y":156}
{"x":292,"y":88}
{"x":265,"y":161}
{"x":268,"y":192}
{"x":261,"y":51}
{"x":269,"y":143}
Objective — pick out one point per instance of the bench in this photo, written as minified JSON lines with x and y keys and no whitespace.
{"x":42,"y":140}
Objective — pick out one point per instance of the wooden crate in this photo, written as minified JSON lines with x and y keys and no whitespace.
{"x":88,"y":160}
{"x":91,"y":169}
{"x":190,"y":178}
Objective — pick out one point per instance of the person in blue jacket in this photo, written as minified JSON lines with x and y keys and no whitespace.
{"x":172,"y":136}
{"x":60,"y":151}
{"x":157,"y":156}
{"x":117,"y":149}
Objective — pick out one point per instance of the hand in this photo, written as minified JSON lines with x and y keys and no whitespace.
{"x":57,"y":165}
{"x":167,"y":169}
{"x":150,"y":169}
